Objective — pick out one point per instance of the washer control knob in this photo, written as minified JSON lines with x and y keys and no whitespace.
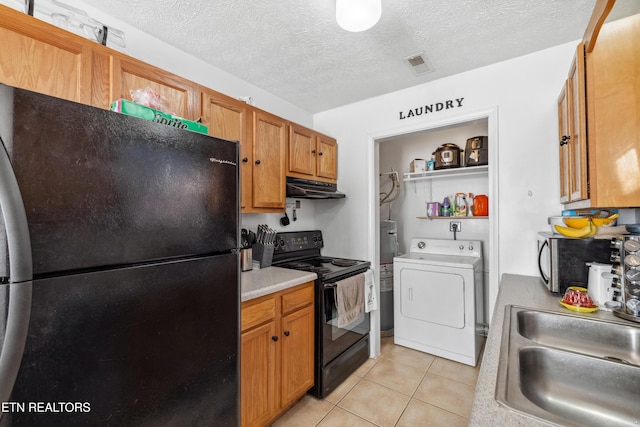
{"x":421,"y":245}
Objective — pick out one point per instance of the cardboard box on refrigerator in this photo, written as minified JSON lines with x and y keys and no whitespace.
{"x":131,"y":108}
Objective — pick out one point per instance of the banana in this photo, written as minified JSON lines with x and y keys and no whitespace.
{"x":576,"y":232}
{"x":594,"y":229}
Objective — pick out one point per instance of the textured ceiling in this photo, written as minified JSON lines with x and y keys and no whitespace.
{"x":295,"y":50}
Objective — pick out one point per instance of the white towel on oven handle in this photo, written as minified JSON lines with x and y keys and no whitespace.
{"x":370,"y":300}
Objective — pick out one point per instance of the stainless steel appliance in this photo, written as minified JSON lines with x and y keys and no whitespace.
{"x":388,"y":250}
{"x":447,"y":156}
{"x":562,"y":261}
{"x":339,"y":351}
{"x":118,"y":266}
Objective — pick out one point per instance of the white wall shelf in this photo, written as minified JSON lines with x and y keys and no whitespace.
{"x":453,"y":218}
{"x":446,"y":173}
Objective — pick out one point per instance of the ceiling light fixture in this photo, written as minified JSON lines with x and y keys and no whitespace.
{"x":358,"y":15}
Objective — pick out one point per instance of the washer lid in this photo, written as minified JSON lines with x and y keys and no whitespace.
{"x":455,"y":261}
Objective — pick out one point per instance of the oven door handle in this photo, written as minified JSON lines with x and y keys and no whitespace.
{"x":329,"y":286}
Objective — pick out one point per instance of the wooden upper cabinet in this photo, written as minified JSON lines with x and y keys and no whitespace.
{"x":228,"y":118}
{"x":302,"y":150}
{"x":43,"y":58}
{"x":613,"y":112}
{"x":182,"y":96}
{"x":572,"y":125}
{"x":269,"y":154}
{"x":311,"y":155}
{"x":564,"y":132}
{"x":327,"y":161}
{"x":578,"y":189}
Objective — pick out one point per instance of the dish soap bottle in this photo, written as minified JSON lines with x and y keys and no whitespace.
{"x":461,"y":205}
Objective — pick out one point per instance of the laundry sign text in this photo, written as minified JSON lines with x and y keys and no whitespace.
{"x":431,"y":108}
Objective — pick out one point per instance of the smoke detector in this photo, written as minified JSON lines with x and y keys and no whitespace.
{"x":419,"y":63}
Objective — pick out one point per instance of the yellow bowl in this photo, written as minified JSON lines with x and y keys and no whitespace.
{"x":576,"y":221}
{"x":605,"y":221}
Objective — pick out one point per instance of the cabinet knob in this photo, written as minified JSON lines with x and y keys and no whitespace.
{"x":274,"y":338}
{"x":287,"y":333}
{"x":245,"y":160}
{"x":257,"y":162}
{"x":565,"y":140}
{"x":320,"y":153}
{"x":313,"y":151}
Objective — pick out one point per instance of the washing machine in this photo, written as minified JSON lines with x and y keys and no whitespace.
{"x":438,"y":298}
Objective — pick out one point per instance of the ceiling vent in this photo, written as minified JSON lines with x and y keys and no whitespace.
{"x":419,"y":63}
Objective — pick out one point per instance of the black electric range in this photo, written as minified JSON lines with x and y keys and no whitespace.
{"x":339,"y":351}
{"x":301,"y":250}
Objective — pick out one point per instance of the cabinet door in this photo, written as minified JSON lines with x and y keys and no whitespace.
{"x":259,"y":372}
{"x":229,"y":119}
{"x":269,"y":145}
{"x":42,"y":58}
{"x":578,"y":143}
{"x":613,"y":88}
{"x":180,"y":95}
{"x":302,"y":151}
{"x":327,"y":157}
{"x":564,"y":136}
{"x":297,"y":354}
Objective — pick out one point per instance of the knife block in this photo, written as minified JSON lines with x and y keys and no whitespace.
{"x":263,"y":254}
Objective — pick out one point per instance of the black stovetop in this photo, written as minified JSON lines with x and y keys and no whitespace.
{"x":301,"y":251}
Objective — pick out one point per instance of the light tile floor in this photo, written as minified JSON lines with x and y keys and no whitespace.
{"x":402,"y":388}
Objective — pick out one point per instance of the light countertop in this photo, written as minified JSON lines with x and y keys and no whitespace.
{"x":524,"y":291}
{"x":257,"y":283}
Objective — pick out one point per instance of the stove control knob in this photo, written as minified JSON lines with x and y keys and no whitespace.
{"x":470,"y":247}
{"x":461,"y":247}
{"x":281,"y":242}
{"x":421,"y":245}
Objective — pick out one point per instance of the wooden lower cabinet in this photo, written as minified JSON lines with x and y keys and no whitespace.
{"x":277,"y":353}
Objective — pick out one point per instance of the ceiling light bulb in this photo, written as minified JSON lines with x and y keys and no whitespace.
{"x":358,"y":15}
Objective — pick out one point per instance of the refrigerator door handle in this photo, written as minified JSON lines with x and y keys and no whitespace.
{"x":18,"y":308}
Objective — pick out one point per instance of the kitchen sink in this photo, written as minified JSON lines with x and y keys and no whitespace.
{"x":569,"y":370}
{"x":580,"y":334}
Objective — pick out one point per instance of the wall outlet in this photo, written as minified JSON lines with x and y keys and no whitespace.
{"x":455,"y":226}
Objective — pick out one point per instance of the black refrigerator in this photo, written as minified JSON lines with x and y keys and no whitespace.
{"x":119,"y":269}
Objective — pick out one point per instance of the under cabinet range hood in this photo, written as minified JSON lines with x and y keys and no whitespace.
{"x":308,"y":189}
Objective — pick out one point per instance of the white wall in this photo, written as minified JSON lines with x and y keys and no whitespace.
{"x":524,"y":91}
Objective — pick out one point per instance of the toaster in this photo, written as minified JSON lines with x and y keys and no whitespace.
{"x":476,"y":152}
